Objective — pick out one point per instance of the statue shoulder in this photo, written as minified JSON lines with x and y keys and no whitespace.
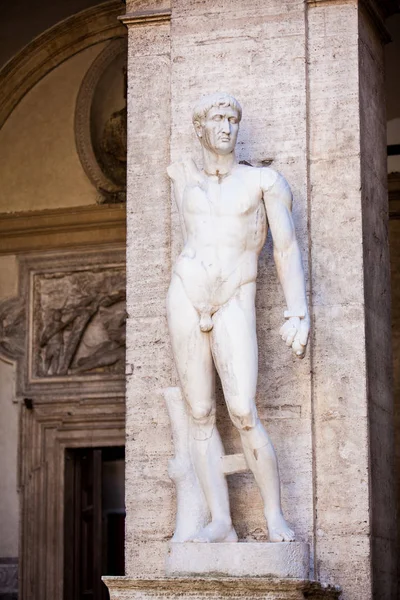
{"x":176,"y":170}
{"x":185,"y":172}
{"x":269,"y":178}
{"x":274,"y":184}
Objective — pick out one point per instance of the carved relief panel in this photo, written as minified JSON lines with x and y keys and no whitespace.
{"x":67,"y":328}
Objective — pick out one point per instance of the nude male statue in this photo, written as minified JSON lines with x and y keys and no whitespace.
{"x":224,"y":211}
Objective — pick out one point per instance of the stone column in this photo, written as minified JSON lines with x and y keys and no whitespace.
{"x":149,"y":496}
{"x":311,"y":74}
{"x":350,"y":291}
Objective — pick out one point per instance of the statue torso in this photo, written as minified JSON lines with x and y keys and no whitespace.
{"x":226,"y":228}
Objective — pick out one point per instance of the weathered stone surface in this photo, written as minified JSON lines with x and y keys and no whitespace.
{"x":349,"y":294}
{"x":377,"y":314}
{"x":281,"y":560}
{"x":149,"y":492}
{"x":260,"y":588}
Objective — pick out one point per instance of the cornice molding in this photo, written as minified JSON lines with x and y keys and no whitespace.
{"x":144,"y":17}
{"x":54,"y":46}
{"x":62,"y":228}
{"x":217,"y":587}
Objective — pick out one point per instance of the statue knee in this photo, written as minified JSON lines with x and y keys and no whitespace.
{"x":244,"y":419}
{"x":203,"y":421}
{"x":202,"y":414}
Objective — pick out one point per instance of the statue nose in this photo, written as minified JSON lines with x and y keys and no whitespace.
{"x":226,"y":127}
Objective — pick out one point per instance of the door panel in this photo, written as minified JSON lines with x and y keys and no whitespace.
{"x":94,"y":536}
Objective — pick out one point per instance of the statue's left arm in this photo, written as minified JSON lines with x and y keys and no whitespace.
{"x":278,"y":204}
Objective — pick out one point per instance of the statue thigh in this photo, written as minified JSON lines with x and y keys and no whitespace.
{"x":192,"y":352}
{"x":235,"y":351}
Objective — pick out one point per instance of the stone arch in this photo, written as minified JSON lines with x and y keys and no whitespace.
{"x":54,"y":46}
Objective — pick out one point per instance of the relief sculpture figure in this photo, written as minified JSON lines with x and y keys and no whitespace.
{"x":225,"y":210}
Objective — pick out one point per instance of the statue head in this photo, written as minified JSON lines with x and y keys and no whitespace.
{"x":216,"y":119}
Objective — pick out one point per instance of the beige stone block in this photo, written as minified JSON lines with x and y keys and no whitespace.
{"x":345,"y":558}
{"x":342,"y":477}
{"x":333,"y":52}
{"x":149,"y":194}
{"x":339,"y":369}
{"x":148,"y":273}
{"x":146,"y":87}
{"x":154,"y":519}
{"x":247,"y":508}
{"x":148,"y":5}
{"x":144,"y":559}
{"x":335,"y":137}
{"x":254,"y":8}
{"x":283,"y":379}
{"x":148,"y":349}
{"x":283,"y":560}
{"x":269,"y":103}
{"x":148,"y":411}
{"x":147,"y":40}
{"x":269,"y":290}
{"x":337,"y":260}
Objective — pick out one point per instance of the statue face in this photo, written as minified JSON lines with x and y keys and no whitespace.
{"x":218,"y":132}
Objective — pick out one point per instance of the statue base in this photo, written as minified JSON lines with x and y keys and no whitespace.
{"x":249,"y":588}
{"x":247,"y":559}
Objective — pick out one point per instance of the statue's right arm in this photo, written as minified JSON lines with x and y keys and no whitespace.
{"x":177,"y":174}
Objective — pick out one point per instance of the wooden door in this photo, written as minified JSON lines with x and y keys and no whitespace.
{"x":84,"y":556}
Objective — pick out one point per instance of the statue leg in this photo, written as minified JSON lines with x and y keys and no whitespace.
{"x":193,"y":359}
{"x":235,"y":351}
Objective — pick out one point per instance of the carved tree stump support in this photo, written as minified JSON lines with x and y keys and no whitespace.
{"x":191,"y":508}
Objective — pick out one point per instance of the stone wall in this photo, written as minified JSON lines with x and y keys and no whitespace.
{"x":377,"y":308}
{"x":309,"y":77}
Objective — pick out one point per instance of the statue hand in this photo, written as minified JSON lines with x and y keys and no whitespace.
{"x":295,"y":334}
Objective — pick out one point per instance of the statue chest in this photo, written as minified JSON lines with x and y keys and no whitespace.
{"x":228,"y":198}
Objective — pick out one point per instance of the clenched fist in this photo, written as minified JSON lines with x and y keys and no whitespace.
{"x":295,"y":334}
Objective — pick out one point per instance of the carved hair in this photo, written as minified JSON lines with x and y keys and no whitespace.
{"x":207,"y":102}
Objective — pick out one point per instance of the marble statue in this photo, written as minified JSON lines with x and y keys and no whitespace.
{"x":225,"y":209}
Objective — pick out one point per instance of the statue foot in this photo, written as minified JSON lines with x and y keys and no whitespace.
{"x":279,"y":530}
{"x":216,"y":531}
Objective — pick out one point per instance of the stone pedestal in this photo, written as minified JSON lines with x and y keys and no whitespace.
{"x":281,"y":560}
{"x":126,"y":588}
